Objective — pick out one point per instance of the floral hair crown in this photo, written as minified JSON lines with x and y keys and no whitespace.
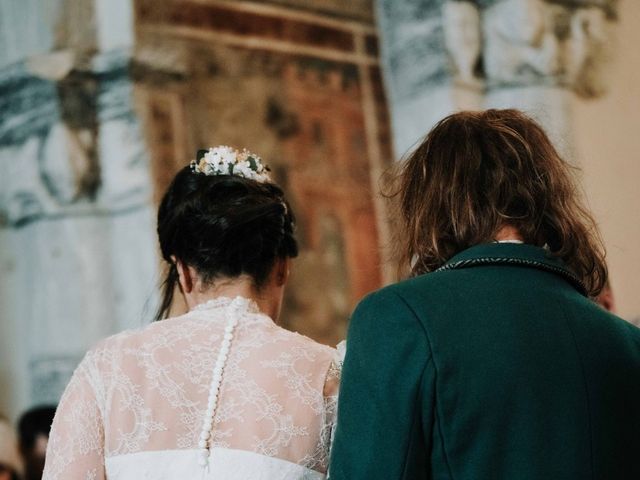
{"x":223,"y":160}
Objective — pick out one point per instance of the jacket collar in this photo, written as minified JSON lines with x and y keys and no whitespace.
{"x":513,"y":255}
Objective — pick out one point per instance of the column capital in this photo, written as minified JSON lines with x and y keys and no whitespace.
{"x":509,"y":43}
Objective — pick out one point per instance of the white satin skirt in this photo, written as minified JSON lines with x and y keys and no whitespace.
{"x":224,"y":464}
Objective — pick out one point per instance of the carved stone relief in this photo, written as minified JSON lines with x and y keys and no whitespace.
{"x":463,"y":38}
{"x":559,"y":45}
{"x":520,"y":43}
{"x":504,"y":43}
{"x":586,"y":51}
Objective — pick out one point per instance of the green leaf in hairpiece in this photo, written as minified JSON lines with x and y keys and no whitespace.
{"x":253,"y":164}
{"x":201,"y":154}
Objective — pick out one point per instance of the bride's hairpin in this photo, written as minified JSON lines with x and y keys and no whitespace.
{"x":223,"y":160}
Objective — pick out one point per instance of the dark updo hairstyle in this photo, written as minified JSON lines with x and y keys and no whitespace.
{"x":223,"y":226}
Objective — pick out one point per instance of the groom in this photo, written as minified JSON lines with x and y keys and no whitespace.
{"x":492,"y":362}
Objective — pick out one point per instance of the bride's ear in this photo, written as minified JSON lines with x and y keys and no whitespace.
{"x":283,"y":269}
{"x":185,"y":275}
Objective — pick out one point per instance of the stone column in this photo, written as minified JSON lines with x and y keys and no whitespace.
{"x":536,"y":55}
{"x":77,"y":244}
{"x":431,"y":53}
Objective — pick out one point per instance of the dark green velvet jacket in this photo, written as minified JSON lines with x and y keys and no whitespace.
{"x":497,"y":367}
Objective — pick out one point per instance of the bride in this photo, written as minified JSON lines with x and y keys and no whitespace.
{"x":221,"y":392}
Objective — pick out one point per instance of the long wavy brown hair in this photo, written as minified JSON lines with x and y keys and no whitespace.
{"x":477,"y":172}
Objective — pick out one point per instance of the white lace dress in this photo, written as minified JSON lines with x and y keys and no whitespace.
{"x":147,"y":404}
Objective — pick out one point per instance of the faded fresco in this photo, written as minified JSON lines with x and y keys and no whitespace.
{"x":201,"y":80}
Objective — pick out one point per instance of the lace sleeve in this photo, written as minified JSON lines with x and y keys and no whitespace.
{"x":331,"y":390}
{"x":76,"y":443}
{"x":332,"y":383}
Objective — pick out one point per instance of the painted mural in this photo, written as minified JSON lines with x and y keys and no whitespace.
{"x":305,"y":92}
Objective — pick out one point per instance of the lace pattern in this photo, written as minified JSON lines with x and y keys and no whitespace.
{"x":147,"y":390}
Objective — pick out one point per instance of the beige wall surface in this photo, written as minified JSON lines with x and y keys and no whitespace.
{"x":607,"y":148}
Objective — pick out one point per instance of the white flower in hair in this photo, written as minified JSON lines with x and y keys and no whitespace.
{"x":224,"y":160}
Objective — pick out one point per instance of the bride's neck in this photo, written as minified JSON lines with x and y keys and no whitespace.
{"x":238,"y":287}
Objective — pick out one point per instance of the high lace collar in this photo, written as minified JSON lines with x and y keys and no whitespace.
{"x":245,"y":304}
